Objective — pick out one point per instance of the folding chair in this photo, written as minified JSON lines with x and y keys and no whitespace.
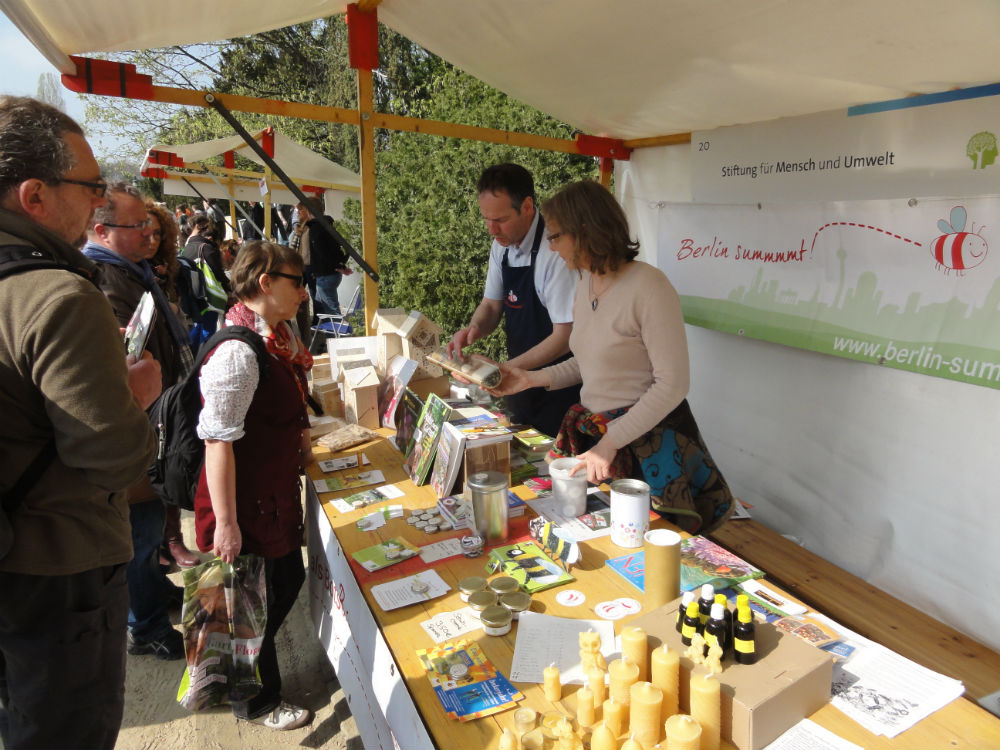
{"x":338,"y":325}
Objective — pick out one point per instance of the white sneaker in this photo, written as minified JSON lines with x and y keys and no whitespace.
{"x":285,"y":716}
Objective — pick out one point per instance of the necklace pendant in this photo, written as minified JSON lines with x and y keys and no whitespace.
{"x":593,"y":304}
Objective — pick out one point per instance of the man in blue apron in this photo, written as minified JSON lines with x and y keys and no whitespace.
{"x":530,"y":287}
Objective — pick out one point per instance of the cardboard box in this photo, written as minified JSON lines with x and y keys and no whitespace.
{"x":790,"y":681}
{"x":425,"y":386}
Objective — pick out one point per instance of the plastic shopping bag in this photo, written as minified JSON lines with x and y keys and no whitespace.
{"x":223,"y":619}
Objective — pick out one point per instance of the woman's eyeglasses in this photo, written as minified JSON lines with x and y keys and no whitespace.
{"x":299,"y":280}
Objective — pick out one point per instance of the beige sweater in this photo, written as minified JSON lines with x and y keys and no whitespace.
{"x":631,"y":351}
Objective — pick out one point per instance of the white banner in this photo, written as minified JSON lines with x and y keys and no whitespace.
{"x":908,"y":284}
{"x":915,"y":147}
{"x":376,"y":693}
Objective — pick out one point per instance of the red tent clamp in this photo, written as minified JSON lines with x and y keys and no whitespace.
{"x":108,"y":79}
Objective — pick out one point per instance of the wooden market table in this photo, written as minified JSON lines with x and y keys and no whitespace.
{"x":374,"y":652}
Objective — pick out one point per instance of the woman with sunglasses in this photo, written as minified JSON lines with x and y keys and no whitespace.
{"x":256,"y":435}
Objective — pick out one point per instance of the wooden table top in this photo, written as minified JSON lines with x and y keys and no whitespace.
{"x":960,"y":724}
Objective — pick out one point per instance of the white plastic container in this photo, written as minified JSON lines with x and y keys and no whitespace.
{"x":570,"y":492}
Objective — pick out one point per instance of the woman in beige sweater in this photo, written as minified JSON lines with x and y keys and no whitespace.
{"x":630,"y":354}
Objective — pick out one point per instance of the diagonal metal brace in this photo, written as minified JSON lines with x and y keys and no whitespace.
{"x":327,"y":225}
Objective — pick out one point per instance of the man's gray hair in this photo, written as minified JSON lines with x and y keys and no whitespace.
{"x":32,"y":142}
{"x":107,"y":213}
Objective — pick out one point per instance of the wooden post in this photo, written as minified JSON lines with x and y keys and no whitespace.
{"x":362,"y":34}
{"x":607,"y":169}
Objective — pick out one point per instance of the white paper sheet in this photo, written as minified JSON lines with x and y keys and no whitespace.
{"x":440,"y":550}
{"x":544,"y":639}
{"x":395,"y":594}
{"x":884,"y":692}
{"x":448,"y":625}
{"x":339,"y":464}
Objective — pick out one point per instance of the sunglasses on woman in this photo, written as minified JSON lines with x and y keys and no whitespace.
{"x":299,"y":280}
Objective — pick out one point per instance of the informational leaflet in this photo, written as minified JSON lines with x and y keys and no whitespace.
{"x":808,"y":733}
{"x":349,"y":481}
{"x":466,"y":683}
{"x":543,"y":640}
{"x":884,"y":692}
{"x":409,"y":590}
{"x":339,"y":464}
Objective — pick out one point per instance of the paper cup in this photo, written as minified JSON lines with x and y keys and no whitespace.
{"x":662,"y":579}
{"x":570,"y":492}
{"x":629,"y":512}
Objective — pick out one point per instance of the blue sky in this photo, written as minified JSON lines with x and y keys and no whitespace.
{"x":21,"y":65}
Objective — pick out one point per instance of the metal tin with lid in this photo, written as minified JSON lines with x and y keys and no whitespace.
{"x":489,"y":505}
{"x":504,"y":585}
{"x":470,"y":585}
{"x":496,"y":620}
{"x":481,"y":600}
{"x":517,"y":602}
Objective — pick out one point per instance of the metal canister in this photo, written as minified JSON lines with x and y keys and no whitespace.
{"x":489,"y":505}
{"x":629,"y":512}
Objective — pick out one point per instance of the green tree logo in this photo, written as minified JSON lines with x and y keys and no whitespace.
{"x":982,"y":149}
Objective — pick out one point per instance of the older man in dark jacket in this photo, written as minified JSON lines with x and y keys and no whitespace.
{"x":120,"y":244}
{"x":67,"y":396}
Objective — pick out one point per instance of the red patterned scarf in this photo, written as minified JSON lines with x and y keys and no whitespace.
{"x":280,"y":342}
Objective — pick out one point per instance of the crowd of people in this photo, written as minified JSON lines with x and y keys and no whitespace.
{"x":85,"y":541}
{"x":598,"y":359}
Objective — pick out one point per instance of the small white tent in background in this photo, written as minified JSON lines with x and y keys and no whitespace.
{"x":185,"y":171}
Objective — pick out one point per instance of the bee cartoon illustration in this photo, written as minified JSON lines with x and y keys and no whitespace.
{"x":956,"y":249}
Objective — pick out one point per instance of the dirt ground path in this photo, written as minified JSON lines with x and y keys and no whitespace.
{"x":154,"y":719}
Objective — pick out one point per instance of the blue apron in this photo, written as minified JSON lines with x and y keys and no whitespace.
{"x":527,"y":322}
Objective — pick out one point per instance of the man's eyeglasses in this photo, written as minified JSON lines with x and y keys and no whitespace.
{"x":141,"y":225}
{"x":98,"y":187}
{"x":299,"y":280}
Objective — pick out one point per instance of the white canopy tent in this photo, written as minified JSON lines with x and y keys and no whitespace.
{"x":803,"y":436}
{"x":308,"y":169}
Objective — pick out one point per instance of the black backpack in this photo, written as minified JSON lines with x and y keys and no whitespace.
{"x":180,"y":452}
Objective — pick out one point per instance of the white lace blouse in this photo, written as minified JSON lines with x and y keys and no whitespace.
{"x":228,"y":382}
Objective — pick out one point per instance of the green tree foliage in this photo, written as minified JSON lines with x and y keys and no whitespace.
{"x":432,"y":243}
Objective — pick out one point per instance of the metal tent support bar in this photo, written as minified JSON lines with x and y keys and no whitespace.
{"x":292,"y":187}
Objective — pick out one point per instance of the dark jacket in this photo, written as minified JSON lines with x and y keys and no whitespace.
{"x":63,"y":377}
{"x":325,"y":254}
{"x":200,"y":246}
{"x":124,"y":290}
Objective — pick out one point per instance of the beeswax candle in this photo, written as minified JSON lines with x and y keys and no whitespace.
{"x":683,"y":733}
{"x":636,"y":650}
{"x":631,"y":744}
{"x":603,"y":739}
{"x":508,"y":741}
{"x":623,"y":673}
{"x":614,"y":715}
{"x":552,"y":687}
{"x":644,"y":713}
{"x":595,"y":681}
{"x":665,"y":674}
{"x":585,"y":706}
{"x":706,"y":707}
